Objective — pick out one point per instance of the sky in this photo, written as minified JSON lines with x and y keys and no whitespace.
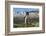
{"x":23,"y":10}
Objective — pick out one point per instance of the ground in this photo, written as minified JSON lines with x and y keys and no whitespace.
{"x":20,"y":22}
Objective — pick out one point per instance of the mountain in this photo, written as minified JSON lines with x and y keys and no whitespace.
{"x":31,"y":15}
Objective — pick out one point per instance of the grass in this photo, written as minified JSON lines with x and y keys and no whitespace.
{"x":19,"y":22}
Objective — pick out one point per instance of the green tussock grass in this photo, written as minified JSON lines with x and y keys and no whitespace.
{"x":19,"y":22}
